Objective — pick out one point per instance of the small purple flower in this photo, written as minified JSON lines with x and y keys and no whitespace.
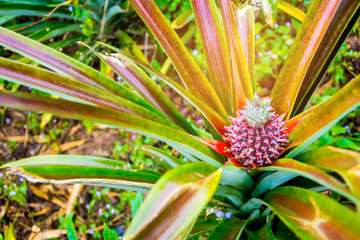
{"x":195,"y":52}
{"x":1,"y":174}
{"x":91,"y":232}
{"x":108,"y":206}
{"x":70,"y":8}
{"x":30,"y":88}
{"x":12,"y":194}
{"x":257,"y":36}
{"x":219,"y":214}
{"x":260,"y":54}
{"x":185,"y":159}
{"x":98,"y":193}
{"x":288,"y":24}
{"x":276,"y":25}
{"x":21,"y":179}
{"x":87,"y":206}
{"x":100,"y":212}
{"x":269,"y":52}
{"x":133,"y":137}
{"x":7,"y":121}
{"x":228,"y":215}
{"x":112,"y":211}
{"x":348,"y":130}
{"x":42,"y":135}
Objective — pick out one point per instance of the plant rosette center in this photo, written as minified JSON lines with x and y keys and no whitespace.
{"x":257,"y":135}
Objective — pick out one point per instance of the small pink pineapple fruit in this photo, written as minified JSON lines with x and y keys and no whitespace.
{"x":256,"y":136}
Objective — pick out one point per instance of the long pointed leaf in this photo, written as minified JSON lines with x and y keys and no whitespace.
{"x":177,"y":52}
{"x":217,"y":119}
{"x":71,"y":169}
{"x":344,"y":162}
{"x":325,"y":115}
{"x":175,"y":202}
{"x":291,"y":10}
{"x":312,"y":173}
{"x":64,"y":64}
{"x":341,"y":25}
{"x":172,"y":136}
{"x":54,"y":83}
{"x":302,"y":52}
{"x":229,"y":229}
{"x":246,"y":27}
{"x":313,"y":216}
{"x":216,"y":50}
{"x":142,"y":83}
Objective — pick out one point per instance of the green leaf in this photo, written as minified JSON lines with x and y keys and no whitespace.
{"x":263,"y":233}
{"x":166,"y":159}
{"x":311,"y":215}
{"x":108,"y":234}
{"x":323,"y":116}
{"x":217,"y":119}
{"x":177,"y":139}
{"x":175,"y":202}
{"x":136,"y":203}
{"x":190,"y":73}
{"x":236,"y":177}
{"x":229,"y":229}
{"x":64,"y":87}
{"x":183,"y":19}
{"x":10,"y":232}
{"x":216,"y":50}
{"x":312,"y":173}
{"x":147,"y":88}
{"x":303,"y":50}
{"x":342,"y":23}
{"x":70,"y":227}
{"x":64,"y":64}
{"x":291,"y":10}
{"x":84,"y":170}
{"x":344,"y":162}
{"x":246,"y":31}
{"x":203,"y":227}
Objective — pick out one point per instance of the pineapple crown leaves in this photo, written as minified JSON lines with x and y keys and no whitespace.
{"x":258,"y":111}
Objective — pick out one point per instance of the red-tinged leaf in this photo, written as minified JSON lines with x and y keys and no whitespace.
{"x":190,"y":73}
{"x":185,"y":39}
{"x":183,"y":19}
{"x":68,"y":88}
{"x":341,"y":25}
{"x":72,"y":169}
{"x":291,"y":10}
{"x":312,"y":173}
{"x":216,"y":50}
{"x":229,"y":229}
{"x":246,"y":24}
{"x":146,"y":87}
{"x":216,"y":145}
{"x":302,"y":52}
{"x":175,"y":202}
{"x":344,"y":162}
{"x":240,"y":73}
{"x":292,"y":123}
{"x":176,"y":138}
{"x":325,"y":115}
{"x":311,"y":215}
{"x":64,"y":64}
{"x":217,"y":119}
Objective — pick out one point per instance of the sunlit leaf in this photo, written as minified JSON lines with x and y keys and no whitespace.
{"x":183,"y":192}
{"x":301,"y":54}
{"x":311,"y":215}
{"x":181,"y":59}
{"x":291,"y":10}
{"x":229,"y":229}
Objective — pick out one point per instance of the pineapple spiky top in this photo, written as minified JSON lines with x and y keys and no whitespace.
{"x":256,"y":136}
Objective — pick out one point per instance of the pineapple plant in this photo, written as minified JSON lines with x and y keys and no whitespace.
{"x":253,"y":174}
